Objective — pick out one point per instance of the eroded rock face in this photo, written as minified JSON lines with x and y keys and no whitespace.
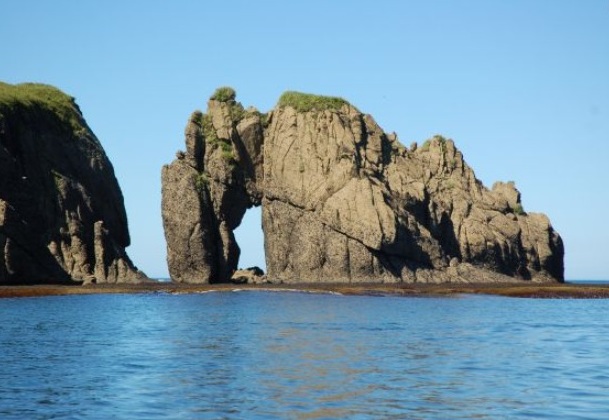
{"x":343,"y":201}
{"x":62,"y":217}
{"x":208,"y":188}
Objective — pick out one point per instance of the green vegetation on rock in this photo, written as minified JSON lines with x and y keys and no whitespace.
{"x":201,"y":182}
{"x":224,"y":94}
{"x":197,"y":116}
{"x":304,"y":102}
{"x":36,"y":96}
{"x":437,"y":138}
{"x":227,"y":150}
{"x":518,"y":210}
{"x":228,"y":95}
{"x":264,"y":120}
{"x":236,"y":112}
{"x":211,"y":138}
{"x":251,"y":111}
{"x":209,"y":132}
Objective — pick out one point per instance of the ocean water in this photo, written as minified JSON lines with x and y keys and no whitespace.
{"x":265,"y":355}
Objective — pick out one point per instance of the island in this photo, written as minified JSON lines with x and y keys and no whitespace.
{"x":346,"y":207}
{"x":342,"y":202}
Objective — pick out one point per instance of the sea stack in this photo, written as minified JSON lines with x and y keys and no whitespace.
{"x":62,"y":216}
{"x":342,"y":201}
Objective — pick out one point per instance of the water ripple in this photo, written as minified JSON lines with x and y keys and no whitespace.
{"x":303,"y":356}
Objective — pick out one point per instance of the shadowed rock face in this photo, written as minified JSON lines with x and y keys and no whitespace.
{"x":62,"y":217}
{"x":207,"y":190}
{"x":342,"y":201}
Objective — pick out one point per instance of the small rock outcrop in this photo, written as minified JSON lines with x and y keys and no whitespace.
{"x":342,"y":201}
{"x":62,"y":217}
{"x":251,"y":275}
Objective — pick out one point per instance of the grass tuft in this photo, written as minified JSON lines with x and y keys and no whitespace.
{"x":304,"y":102}
{"x":224,"y":94}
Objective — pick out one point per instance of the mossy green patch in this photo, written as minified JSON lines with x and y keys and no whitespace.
{"x":197,"y":116}
{"x":36,"y":96}
{"x":211,"y":138}
{"x":224,"y":94}
{"x":208,"y":129}
{"x":237,"y":113}
{"x":304,"y":102}
{"x":519,"y":210}
{"x":226,"y":147}
{"x":441,"y":141}
{"x":201,"y":182}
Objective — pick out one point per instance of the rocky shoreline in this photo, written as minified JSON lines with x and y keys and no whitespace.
{"x":546,"y":291}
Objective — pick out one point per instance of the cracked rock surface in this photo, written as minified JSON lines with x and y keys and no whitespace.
{"x":342,"y":201}
{"x":62,"y":217}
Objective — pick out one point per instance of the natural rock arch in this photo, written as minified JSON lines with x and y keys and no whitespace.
{"x":342,"y":201}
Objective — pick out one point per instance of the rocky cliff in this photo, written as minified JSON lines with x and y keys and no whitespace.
{"x":62,"y":217}
{"x":342,"y":201}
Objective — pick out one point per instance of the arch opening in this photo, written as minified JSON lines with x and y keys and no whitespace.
{"x":250,"y":239}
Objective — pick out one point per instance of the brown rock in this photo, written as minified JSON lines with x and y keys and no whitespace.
{"x":342,"y":201}
{"x":62,"y":217}
{"x":252,"y":275}
{"x":205,"y":195}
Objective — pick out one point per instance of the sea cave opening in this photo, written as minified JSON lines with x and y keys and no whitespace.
{"x":250,"y":238}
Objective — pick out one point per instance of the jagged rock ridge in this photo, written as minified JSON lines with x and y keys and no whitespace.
{"x":342,"y":201}
{"x":62,"y":217}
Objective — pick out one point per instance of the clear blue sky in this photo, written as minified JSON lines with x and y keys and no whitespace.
{"x":521,"y":86}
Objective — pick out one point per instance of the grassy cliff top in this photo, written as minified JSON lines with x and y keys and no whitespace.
{"x":224,"y":94}
{"x":304,"y":102}
{"x":41,"y":96}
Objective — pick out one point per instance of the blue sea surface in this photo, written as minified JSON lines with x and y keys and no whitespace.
{"x":596,"y":282}
{"x":266,"y":355}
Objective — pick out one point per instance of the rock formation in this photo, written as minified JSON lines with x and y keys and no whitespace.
{"x":251,"y":275}
{"x":208,"y":188}
{"x":342,"y":201}
{"x":62,"y":217}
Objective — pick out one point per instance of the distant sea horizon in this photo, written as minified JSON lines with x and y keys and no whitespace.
{"x":580,"y":281}
{"x":569,"y":281}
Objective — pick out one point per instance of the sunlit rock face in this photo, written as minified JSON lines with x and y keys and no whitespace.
{"x":62,"y":217}
{"x":342,"y":201}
